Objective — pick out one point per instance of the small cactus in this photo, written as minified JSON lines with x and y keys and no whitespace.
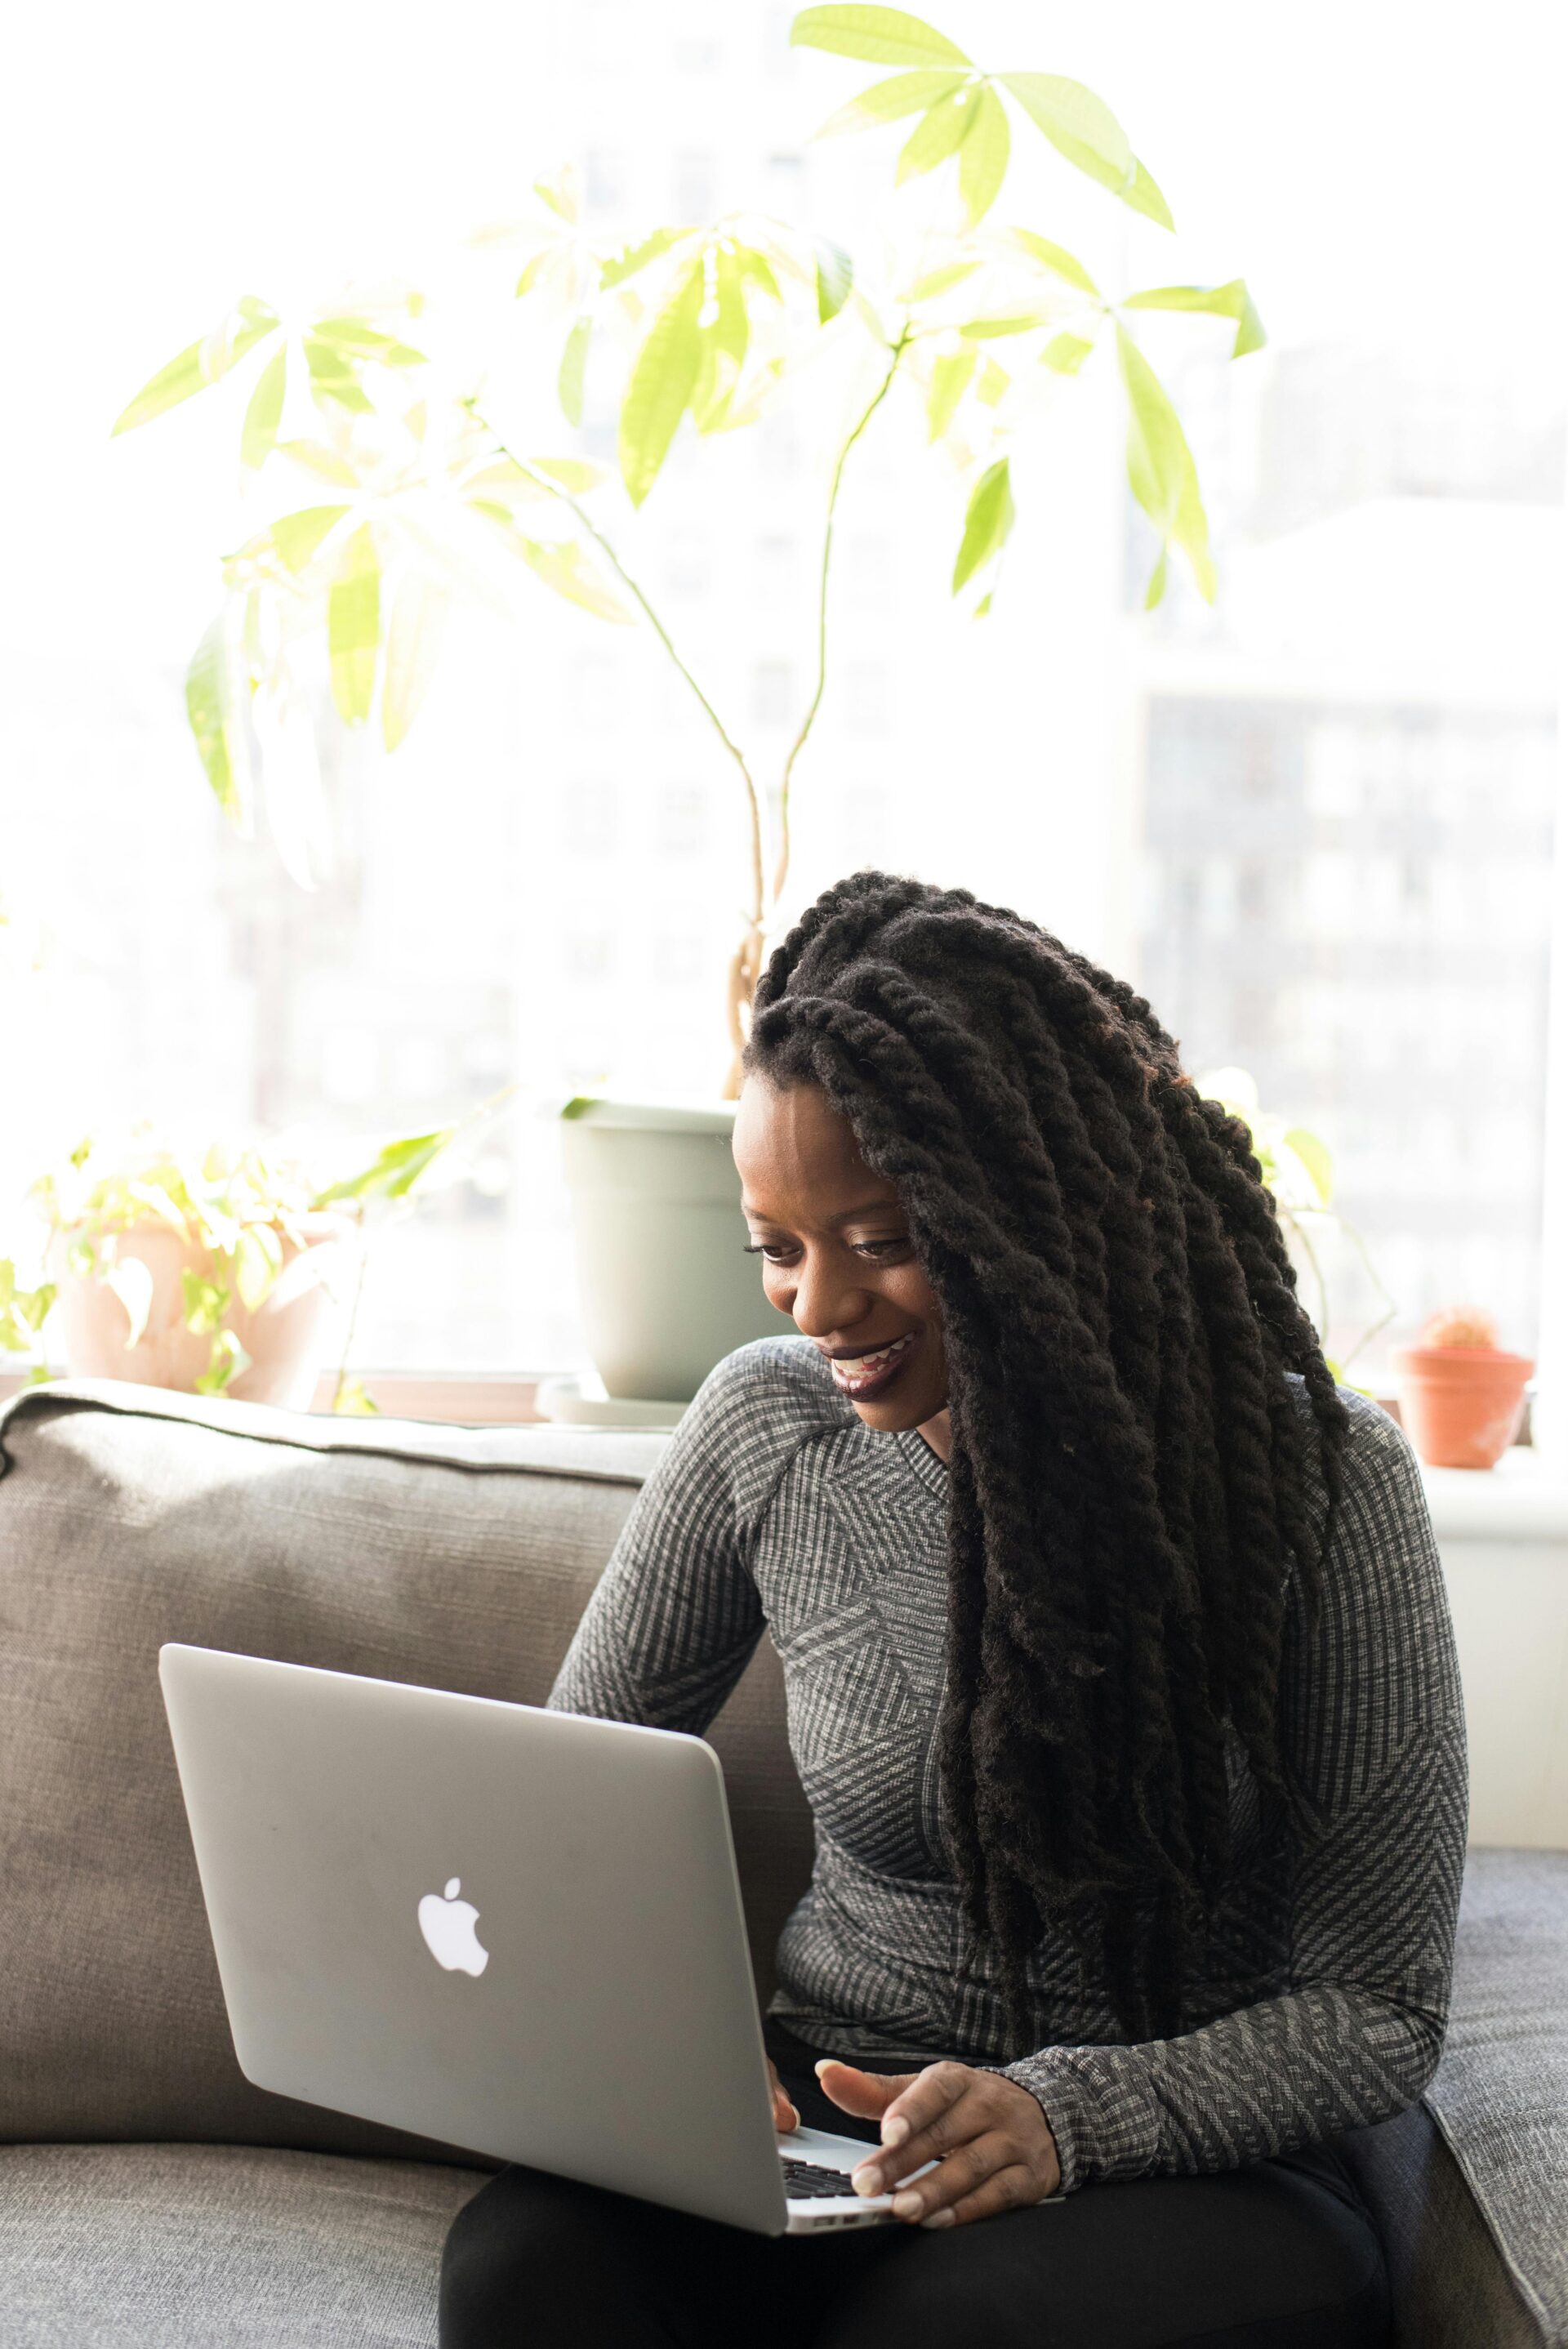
{"x":1461,"y":1325}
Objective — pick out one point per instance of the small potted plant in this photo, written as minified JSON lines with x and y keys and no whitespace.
{"x":210,"y":1271}
{"x":1461,"y":1395}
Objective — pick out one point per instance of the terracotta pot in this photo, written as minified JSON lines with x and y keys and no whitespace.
{"x":283,"y":1338}
{"x":1461,"y":1405}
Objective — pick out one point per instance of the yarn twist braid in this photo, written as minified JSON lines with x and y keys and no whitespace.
{"x":1129,"y":1494}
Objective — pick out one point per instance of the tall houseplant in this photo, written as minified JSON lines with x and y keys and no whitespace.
{"x":414,"y":486}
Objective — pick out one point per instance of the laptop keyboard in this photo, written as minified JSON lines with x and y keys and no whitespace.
{"x":807,"y":2181}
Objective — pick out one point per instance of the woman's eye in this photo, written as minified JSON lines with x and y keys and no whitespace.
{"x":776,"y":1253}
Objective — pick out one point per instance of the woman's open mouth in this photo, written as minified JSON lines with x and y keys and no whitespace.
{"x":862,"y":1376}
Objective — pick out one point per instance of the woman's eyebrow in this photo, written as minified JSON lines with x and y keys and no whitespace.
{"x":867,"y":1207}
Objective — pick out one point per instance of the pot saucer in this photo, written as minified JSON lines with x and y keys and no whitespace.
{"x":577,"y":1399}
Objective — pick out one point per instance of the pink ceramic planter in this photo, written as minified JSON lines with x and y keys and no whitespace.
{"x":283,"y":1338}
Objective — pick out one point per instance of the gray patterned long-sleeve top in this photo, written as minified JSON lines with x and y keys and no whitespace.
{"x":1325,"y":1992}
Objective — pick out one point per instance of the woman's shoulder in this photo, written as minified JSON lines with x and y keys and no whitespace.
{"x":773,"y":1383}
{"x":759,"y":1407}
{"x":1376,"y":1456}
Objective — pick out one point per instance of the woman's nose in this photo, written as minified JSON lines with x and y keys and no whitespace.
{"x":827,"y":1300}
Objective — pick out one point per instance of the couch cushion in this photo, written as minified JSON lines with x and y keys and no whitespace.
{"x":452,"y":1558}
{"x":184,"y":2247}
{"x":1500,"y":2094}
{"x":1452,"y":2289}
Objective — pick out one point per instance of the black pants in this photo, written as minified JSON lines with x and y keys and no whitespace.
{"x":1279,"y":2255}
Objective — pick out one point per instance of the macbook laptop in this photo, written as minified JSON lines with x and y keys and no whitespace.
{"x":515,"y":1931}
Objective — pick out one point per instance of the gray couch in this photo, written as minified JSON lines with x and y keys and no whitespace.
{"x":148,"y":2194}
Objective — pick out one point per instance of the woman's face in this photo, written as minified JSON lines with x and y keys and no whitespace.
{"x":836,"y":1254}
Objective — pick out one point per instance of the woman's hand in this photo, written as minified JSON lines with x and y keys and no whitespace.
{"x":990,"y":2140}
{"x":784,"y":2117}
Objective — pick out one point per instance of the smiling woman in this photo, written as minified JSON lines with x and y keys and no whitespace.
{"x":838,"y":1257}
{"x":1119,"y":1683}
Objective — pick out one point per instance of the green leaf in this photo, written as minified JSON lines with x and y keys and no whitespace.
{"x":574,"y":473}
{"x":131,"y":1281}
{"x":393,"y":1172}
{"x":1160,"y":464}
{"x":533,"y":269}
{"x":573,"y":365}
{"x":634,"y":257}
{"x":1065,"y":353}
{"x":354,"y":626}
{"x":413,"y":646}
{"x":986,"y":523}
{"x":1145,"y":197}
{"x":351,"y":334}
{"x":228,"y":1359}
{"x":206,"y":1302}
{"x":1079,"y":125}
{"x":1315,"y":1157}
{"x":334,"y":379}
{"x":994,"y":381}
{"x":935,"y":136}
{"x":835,"y":276}
{"x":883,"y":36}
{"x":1021,"y":322}
{"x":940,"y":281}
{"x":209,"y":706}
{"x":1054,"y":257}
{"x":983,"y":161}
{"x":296,"y":537}
{"x":887,"y":101}
{"x":258,"y":1260}
{"x":561,"y":566}
{"x":353,"y":1399}
{"x":1155,"y":591}
{"x":199,"y":364}
{"x":1231,"y":300}
{"x":259,"y":432}
{"x":560,"y":193}
{"x":316,"y":457}
{"x":662,"y":383}
{"x":949,"y":380}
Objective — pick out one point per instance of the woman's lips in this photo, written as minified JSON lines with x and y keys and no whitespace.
{"x":871,"y":1374}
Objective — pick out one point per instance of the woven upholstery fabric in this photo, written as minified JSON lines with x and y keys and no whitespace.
{"x":220,"y":2247}
{"x":1500,"y":2095}
{"x":1451,"y":2289}
{"x":448,"y":1557}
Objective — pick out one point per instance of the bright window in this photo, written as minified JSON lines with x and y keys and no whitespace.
{"x":1315,"y":823}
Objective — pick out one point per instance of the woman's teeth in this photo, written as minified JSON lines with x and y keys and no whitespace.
{"x":856,"y":1367}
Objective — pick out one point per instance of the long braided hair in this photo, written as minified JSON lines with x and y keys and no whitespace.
{"x":1129,"y":1486}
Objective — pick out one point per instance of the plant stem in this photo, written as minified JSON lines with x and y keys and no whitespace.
{"x":352,"y":1318}
{"x":554,"y":489}
{"x":896,"y":351}
{"x":745,"y":963}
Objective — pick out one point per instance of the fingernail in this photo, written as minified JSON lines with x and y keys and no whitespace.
{"x":821,"y":2067}
{"x":867,"y":2179}
{"x":906,"y":2206}
{"x":938,"y":2218}
{"x":894,"y":2129}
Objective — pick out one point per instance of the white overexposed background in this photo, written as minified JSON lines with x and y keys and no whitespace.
{"x":1316,"y":823}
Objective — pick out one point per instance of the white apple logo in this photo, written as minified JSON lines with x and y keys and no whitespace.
{"x":448,"y":1925}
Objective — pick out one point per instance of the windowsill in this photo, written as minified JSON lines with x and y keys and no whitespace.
{"x":1523,"y":1499}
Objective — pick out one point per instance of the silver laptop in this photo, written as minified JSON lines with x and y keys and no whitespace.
{"x":515,"y":1931}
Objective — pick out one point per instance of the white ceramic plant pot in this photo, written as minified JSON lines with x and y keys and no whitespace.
{"x":667,"y":1289}
{"x":284,"y":1338}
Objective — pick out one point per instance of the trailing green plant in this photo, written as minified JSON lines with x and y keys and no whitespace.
{"x":236,"y":1206}
{"x":415,"y":492}
{"x":1298,"y":1167}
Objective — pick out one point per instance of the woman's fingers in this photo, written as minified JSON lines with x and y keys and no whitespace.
{"x":867,"y":2095}
{"x":920,"y":2124}
{"x":1013,"y":2189}
{"x":784,"y":2117}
